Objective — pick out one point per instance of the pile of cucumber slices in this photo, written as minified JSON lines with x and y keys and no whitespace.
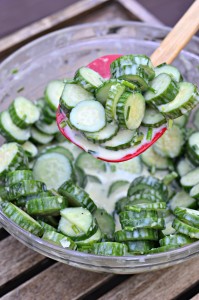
{"x":117,"y":112}
{"x":54,"y":190}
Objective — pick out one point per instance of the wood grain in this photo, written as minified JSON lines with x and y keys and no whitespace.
{"x":15,"y":258}
{"x":178,"y":37}
{"x":164,"y":284}
{"x":60,"y":282}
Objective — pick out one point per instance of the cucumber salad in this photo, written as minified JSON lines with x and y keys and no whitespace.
{"x":67,"y":197}
{"x":118,"y":106}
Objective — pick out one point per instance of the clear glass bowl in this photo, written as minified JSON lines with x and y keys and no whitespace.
{"x":58,"y":55}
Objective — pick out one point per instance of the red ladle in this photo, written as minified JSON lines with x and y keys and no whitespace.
{"x":166,"y":52}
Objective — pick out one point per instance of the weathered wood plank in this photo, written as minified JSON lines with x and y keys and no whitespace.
{"x":58,"y":282}
{"x":164,"y":284}
{"x":15,"y":258}
{"x":196,"y":297}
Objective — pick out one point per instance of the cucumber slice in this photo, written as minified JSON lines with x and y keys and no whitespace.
{"x":186,"y":99}
{"x":152,"y":118}
{"x":59,"y":149}
{"x":163,"y":249}
{"x":53,"y":169}
{"x":18,"y":175}
{"x":144,"y":234}
{"x":21,"y":218}
{"x":53,"y":93}
{"x":101,"y":93}
{"x":164,"y":90}
{"x":23,"y":112}
{"x":122,"y":140}
{"x":171,"y":143}
{"x":10,"y":131}
{"x":181,"y":121}
{"x":186,"y":229}
{"x":140,"y":80}
{"x":196,"y":119}
{"x":88,"y":79}
{"x":59,"y":239}
{"x":73,"y":94}
{"x":168,"y":226}
{"x":148,"y":206}
{"x":184,"y":166}
{"x":46,"y":206}
{"x":114,"y":94}
{"x":22,"y":201}
{"x":106,"y":134}
{"x":96,"y":237}
{"x":93,"y":179}
{"x":49,"y":220}
{"x":153,"y":160}
{"x":45,"y":226}
{"x":140,"y":247}
{"x":170,"y":70}
{"x":194,"y":192}
{"x":190,"y":179}
{"x":105,"y":222}
{"x":109,"y":249}
{"x":130,"y":110}
{"x":76,"y":196}
{"x":25,"y":188}
{"x":176,"y":239}
{"x":117,"y":185}
{"x":182,"y":199}
{"x":147,"y":195}
{"x":193,"y":148}
{"x":87,"y":162}
{"x":48,"y":112}
{"x":81,"y":177}
{"x":47,"y":128}
{"x":187,"y":215}
{"x":121,"y":203}
{"x":40,"y":137}
{"x":12,"y":156}
{"x":133,"y":166}
{"x":88,"y":116}
{"x":30,"y":149}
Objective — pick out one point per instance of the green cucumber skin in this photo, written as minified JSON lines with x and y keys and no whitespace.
{"x":76,"y":196}
{"x":143,"y":223}
{"x":85,"y":84}
{"x":105,"y":85}
{"x":140,"y":247}
{"x":46,"y":226}
{"x":16,"y":120}
{"x":163,"y":249}
{"x":31,"y":225}
{"x":18,"y":175}
{"x":25,"y":188}
{"x":193,"y":153}
{"x":46,"y":206}
{"x":137,"y":234}
{"x":185,"y":216}
{"x":186,"y":229}
{"x":111,"y":103}
{"x":59,"y":149}
{"x":109,"y":249}
{"x":59,"y":239}
{"x":176,"y":239}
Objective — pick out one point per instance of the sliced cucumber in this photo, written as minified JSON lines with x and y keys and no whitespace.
{"x":12,"y":156}
{"x":149,"y":206}
{"x":105,"y":222}
{"x":93,"y":179}
{"x":130,"y":110}
{"x":186,"y":229}
{"x":88,"y":116}
{"x":168,"y":69}
{"x":163,"y":249}
{"x":101,"y":93}
{"x":117,"y":185}
{"x":187,"y":215}
{"x":140,"y":247}
{"x":171,"y":143}
{"x":181,"y":121}
{"x":168,"y":225}
{"x":46,"y":226}
{"x":76,"y":196}
{"x":114,"y":94}
{"x":106,"y":134}
{"x":190,"y":179}
{"x":196,"y":119}
{"x":109,"y":249}
{"x":176,"y":239}
{"x":25,"y":188}
{"x":88,"y":79}
{"x":182,"y":199}
{"x":40,"y":137}
{"x":30,"y":149}
{"x":23,"y":112}
{"x":137,"y":234}
{"x":153,"y":160}
{"x":53,"y":169}
{"x":133,"y":166}
{"x":164,"y":90}
{"x":152,"y":118}
{"x":47,"y":128}
{"x":194,"y":192}
{"x":18,"y":175}
{"x":59,"y":149}
{"x":21,"y":218}
{"x":73,"y":94}
{"x":193,"y":148}
{"x":81,"y":177}
{"x":59,"y":239}
{"x":184,"y":166}
{"x":96,"y":237}
{"x":122,"y":140}
{"x":53,"y":93}
{"x":87,"y":162}
{"x":186,"y":99}
{"x":146,"y":195}
{"x":10,"y":131}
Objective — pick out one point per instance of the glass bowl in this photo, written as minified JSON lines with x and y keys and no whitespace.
{"x":58,"y":55}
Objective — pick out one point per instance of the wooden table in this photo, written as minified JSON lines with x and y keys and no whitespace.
{"x":27,"y":275}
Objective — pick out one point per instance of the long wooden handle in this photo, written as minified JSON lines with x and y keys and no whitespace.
{"x":178,"y":37}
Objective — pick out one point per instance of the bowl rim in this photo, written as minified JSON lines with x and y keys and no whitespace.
{"x":144,"y":260}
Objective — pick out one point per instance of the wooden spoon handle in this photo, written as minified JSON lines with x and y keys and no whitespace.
{"x":178,"y":37}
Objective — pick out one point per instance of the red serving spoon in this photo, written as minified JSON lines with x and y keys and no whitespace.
{"x":166,"y":52}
